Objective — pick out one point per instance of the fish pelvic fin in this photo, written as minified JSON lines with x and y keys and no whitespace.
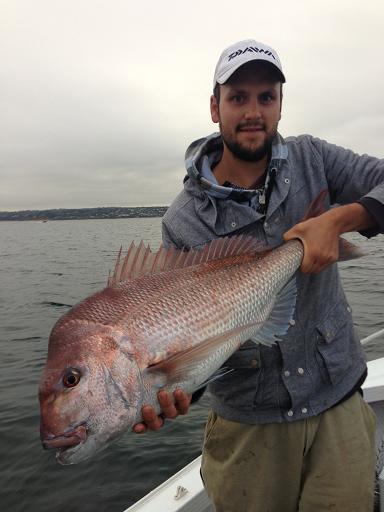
{"x":140,"y":260}
{"x":281,"y":317}
{"x":347,"y":250}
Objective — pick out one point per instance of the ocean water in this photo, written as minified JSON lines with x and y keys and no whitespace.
{"x":44,"y":269}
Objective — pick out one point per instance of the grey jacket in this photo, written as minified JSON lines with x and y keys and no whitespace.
{"x":320,"y":359}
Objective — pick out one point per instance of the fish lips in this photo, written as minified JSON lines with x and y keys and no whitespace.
{"x":66,"y":440}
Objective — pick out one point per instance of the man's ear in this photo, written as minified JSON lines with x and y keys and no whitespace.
{"x":214,"y":109}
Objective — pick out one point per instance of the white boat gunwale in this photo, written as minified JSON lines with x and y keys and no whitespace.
{"x":184,"y":491}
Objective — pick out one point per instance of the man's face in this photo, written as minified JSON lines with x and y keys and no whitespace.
{"x":248,"y":112}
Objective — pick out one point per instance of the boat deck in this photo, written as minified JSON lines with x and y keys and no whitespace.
{"x":184,"y":491}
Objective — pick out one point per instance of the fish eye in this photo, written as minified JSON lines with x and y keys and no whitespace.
{"x":71,"y":378}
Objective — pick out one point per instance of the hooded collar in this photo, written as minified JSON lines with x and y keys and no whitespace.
{"x":203,"y":154}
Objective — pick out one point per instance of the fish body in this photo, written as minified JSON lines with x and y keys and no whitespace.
{"x":167,"y":324}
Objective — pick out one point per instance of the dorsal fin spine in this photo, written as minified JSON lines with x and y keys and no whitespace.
{"x":131,"y":250}
{"x":237,"y":244}
{"x":215,"y":249}
{"x":230,"y":246}
{"x":195,"y":258}
{"x":188,"y":259}
{"x":146,"y":256}
{"x":140,"y":254}
{"x":156,"y":258}
{"x":181,"y":257}
{"x":220,"y":255}
{"x":117,"y":267}
{"x":124,"y":265}
{"x":138,"y":264}
{"x":211,"y":250}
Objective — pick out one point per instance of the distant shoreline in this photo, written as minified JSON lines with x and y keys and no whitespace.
{"x":128,"y":212}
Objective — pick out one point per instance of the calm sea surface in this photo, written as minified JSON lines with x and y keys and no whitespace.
{"x":44,"y":269}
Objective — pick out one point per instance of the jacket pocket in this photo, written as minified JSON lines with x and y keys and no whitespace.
{"x":239,"y":389}
{"x":248,"y":356}
{"x":333,"y":348}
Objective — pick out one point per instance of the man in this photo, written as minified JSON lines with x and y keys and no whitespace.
{"x":288,"y":429}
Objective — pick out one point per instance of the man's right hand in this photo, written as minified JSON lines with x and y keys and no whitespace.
{"x":170,"y":407}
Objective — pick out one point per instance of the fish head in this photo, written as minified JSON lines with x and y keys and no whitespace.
{"x":89,"y":392}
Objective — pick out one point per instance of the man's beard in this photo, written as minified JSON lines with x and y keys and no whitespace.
{"x":246,"y":154}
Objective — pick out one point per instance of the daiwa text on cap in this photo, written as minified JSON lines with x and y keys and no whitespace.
{"x":240,"y":53}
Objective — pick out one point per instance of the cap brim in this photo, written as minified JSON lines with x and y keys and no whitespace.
{"x":225,"y":76}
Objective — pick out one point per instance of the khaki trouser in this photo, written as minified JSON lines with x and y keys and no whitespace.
{"x":323,"y":463}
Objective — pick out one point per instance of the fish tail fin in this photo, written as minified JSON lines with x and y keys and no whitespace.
{"x":317,"y":206}
{"x":347,"y":250}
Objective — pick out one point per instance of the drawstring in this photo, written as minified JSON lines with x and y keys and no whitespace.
{"x":266,"y":194}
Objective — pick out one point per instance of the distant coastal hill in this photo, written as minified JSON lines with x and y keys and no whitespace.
{"x":86,"y":213}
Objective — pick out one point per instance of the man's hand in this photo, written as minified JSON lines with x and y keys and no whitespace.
{"x":320,"y":235}
{"x":171,"y":408}
{"x":321,"y":243}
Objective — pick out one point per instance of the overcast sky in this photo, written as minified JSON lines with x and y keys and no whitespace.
{"x":100,"y":98}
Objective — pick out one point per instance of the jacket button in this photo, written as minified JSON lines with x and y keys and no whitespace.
{"x":287,"y":373}
{"x":304,"y":410}
{"x":300,"y":371}
{"x":290,"y":413}
{"x":233,"y":224}
{"x":254,"y":363}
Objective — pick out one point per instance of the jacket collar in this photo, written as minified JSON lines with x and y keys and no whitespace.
{"x":211,"y":199}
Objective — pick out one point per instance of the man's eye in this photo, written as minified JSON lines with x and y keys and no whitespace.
{"x":266,"y":97}
{"x":238,"y":98}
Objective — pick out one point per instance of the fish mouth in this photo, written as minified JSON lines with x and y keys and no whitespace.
{"x":66,"y":440}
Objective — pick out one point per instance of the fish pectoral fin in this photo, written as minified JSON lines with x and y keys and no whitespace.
{"x":281,"y":316}
{"x":177,"y":366}
{"x":224,"y":370}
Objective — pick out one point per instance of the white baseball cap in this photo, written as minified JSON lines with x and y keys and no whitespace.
{"x":239,"y":53}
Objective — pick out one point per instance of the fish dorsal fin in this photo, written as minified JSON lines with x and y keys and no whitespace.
{"x":140,"y":260}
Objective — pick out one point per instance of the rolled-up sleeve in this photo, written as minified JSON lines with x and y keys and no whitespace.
{"x":354,"y":178}
{"x":376,"y":210}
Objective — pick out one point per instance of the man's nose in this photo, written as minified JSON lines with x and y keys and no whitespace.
{"x":253,"y":111}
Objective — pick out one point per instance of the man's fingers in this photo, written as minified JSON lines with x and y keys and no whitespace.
{"x":167,"y":405}
{"x":171,"y":407}
{"x":139,"y":428}
{"x":151,"y":419}
{"x":182,"y":401}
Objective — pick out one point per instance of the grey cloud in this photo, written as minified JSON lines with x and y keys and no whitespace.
{"x":99,"y":101}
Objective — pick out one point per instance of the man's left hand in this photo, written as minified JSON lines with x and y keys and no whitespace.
{"x":320,"y":235}
{"x":320,"y":239}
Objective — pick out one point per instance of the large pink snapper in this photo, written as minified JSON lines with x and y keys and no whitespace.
{"x":166,"y":320}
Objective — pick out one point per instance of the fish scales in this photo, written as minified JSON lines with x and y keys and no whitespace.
{"x":219,"y":301}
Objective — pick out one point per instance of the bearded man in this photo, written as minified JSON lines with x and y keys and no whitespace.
{"x":289,"y":429}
